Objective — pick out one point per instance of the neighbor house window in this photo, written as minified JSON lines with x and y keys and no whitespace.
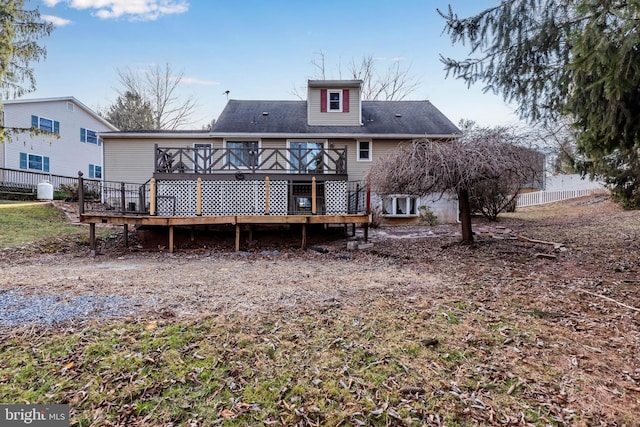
{"x":34,"y":162}
{"x":243,"y":154}
{"x":364,"y":151}
{"x":95,"y":171}
{"x":89,"y":136}
{"x":399,"y":205}
{"x":45,"y":124}
{"x":306,"y":156}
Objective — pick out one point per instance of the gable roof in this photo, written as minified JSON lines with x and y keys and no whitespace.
{"x":405,"y":119}
{"x":59,"y":99}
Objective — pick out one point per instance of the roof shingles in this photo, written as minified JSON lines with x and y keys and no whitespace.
{"x":417,"y":118}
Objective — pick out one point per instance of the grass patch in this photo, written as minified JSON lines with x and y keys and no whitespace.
{"x":332,"y":368}
{"x":26,"y":224}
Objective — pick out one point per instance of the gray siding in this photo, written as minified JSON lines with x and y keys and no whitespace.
{"x":132,"y":160}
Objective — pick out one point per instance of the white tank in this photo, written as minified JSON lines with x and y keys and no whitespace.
{"x":45,"y":191}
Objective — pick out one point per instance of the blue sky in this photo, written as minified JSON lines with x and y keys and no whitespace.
{"x":256,"y":49}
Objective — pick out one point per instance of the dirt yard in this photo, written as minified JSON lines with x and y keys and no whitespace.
{"x":564,"y":278}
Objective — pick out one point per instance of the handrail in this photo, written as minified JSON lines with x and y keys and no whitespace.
{"x":210,"y":160}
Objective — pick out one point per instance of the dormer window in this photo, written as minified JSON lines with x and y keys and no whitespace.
{"x":335,"y":100}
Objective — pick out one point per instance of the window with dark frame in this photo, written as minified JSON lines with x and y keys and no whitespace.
{"x":364,"y":150}
{"x":335,"y":100}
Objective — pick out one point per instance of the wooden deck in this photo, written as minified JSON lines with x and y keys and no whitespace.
{"x":93,"y":218}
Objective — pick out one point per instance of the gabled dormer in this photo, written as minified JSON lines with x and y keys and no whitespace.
{"x":334,"y":103}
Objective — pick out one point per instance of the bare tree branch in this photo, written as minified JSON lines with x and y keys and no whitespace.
{"x":159,"y":87}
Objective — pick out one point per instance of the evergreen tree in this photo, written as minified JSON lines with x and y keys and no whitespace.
{"x":130,"y":112}
{"x":20,"y":30}
{"x":563,"y":58}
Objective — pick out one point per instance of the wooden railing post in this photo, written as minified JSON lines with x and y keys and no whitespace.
{"x":313,"y":195}
{"x":156,"y":158}
{"x":368,"y":206}
{"x":122,"y":198}
{"x":152,"y":196}
{"x":80,"y":193}
{"x":199,"y":197}
{"x":266,"y":195}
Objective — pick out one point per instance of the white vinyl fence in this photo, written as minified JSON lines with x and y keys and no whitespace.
{"x":543,"y":197}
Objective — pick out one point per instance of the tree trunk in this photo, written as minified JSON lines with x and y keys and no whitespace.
{"x":465,"y":215}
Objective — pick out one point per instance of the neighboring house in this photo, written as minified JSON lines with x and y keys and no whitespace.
{"x":67,"y":138}
{"x":332,"y":138}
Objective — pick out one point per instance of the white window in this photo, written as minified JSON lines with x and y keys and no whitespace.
{"x":400,"y":205}
{"x":307,"y":156}
{"x":34,"y":162}
{"x":364,"y":151}
{"x":335,"y":100}
{"x":89,"y":136}
{"x":243,"y":154}
{"x":45,"y":124}
{"x":95,"y":171}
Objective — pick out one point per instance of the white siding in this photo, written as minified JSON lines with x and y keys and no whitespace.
{"x":67,"y":154}
{"x":316,"y":117}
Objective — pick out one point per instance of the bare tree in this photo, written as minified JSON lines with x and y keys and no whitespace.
{"x":427,"y":167}
{"x":159,"y":86}
{"x":392,"y":84}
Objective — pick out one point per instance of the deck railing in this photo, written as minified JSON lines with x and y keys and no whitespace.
{"x":210,"y":160}
{"x":114,"y":197}
{"x":223,"y":197}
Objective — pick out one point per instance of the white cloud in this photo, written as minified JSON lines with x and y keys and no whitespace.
{"x":56,"y":20}
{"x":142,"y":10}
{"x":197,"y":81}
{"x":398,"y":59}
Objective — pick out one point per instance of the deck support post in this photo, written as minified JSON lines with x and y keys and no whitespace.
{"x":171,"y":239}
{"x":92,"y":238}
{"x":304,"y":237}
{"x":126,"y":236}
{"x":237,"y":237}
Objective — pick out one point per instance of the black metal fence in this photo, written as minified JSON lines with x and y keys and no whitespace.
{"x":114,"y":197}
{"x":28,"y":179}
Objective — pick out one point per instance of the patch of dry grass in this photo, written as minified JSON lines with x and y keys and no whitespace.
{"x":416,"y":332}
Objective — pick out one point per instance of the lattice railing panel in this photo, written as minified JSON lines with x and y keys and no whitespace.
{"x":243,"y":198}
{"x":176,"y":198}
{"x":335,"y":195}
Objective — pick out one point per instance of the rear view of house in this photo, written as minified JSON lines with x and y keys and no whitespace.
{"x":266,"y":162}
{"x":332,"y":138}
